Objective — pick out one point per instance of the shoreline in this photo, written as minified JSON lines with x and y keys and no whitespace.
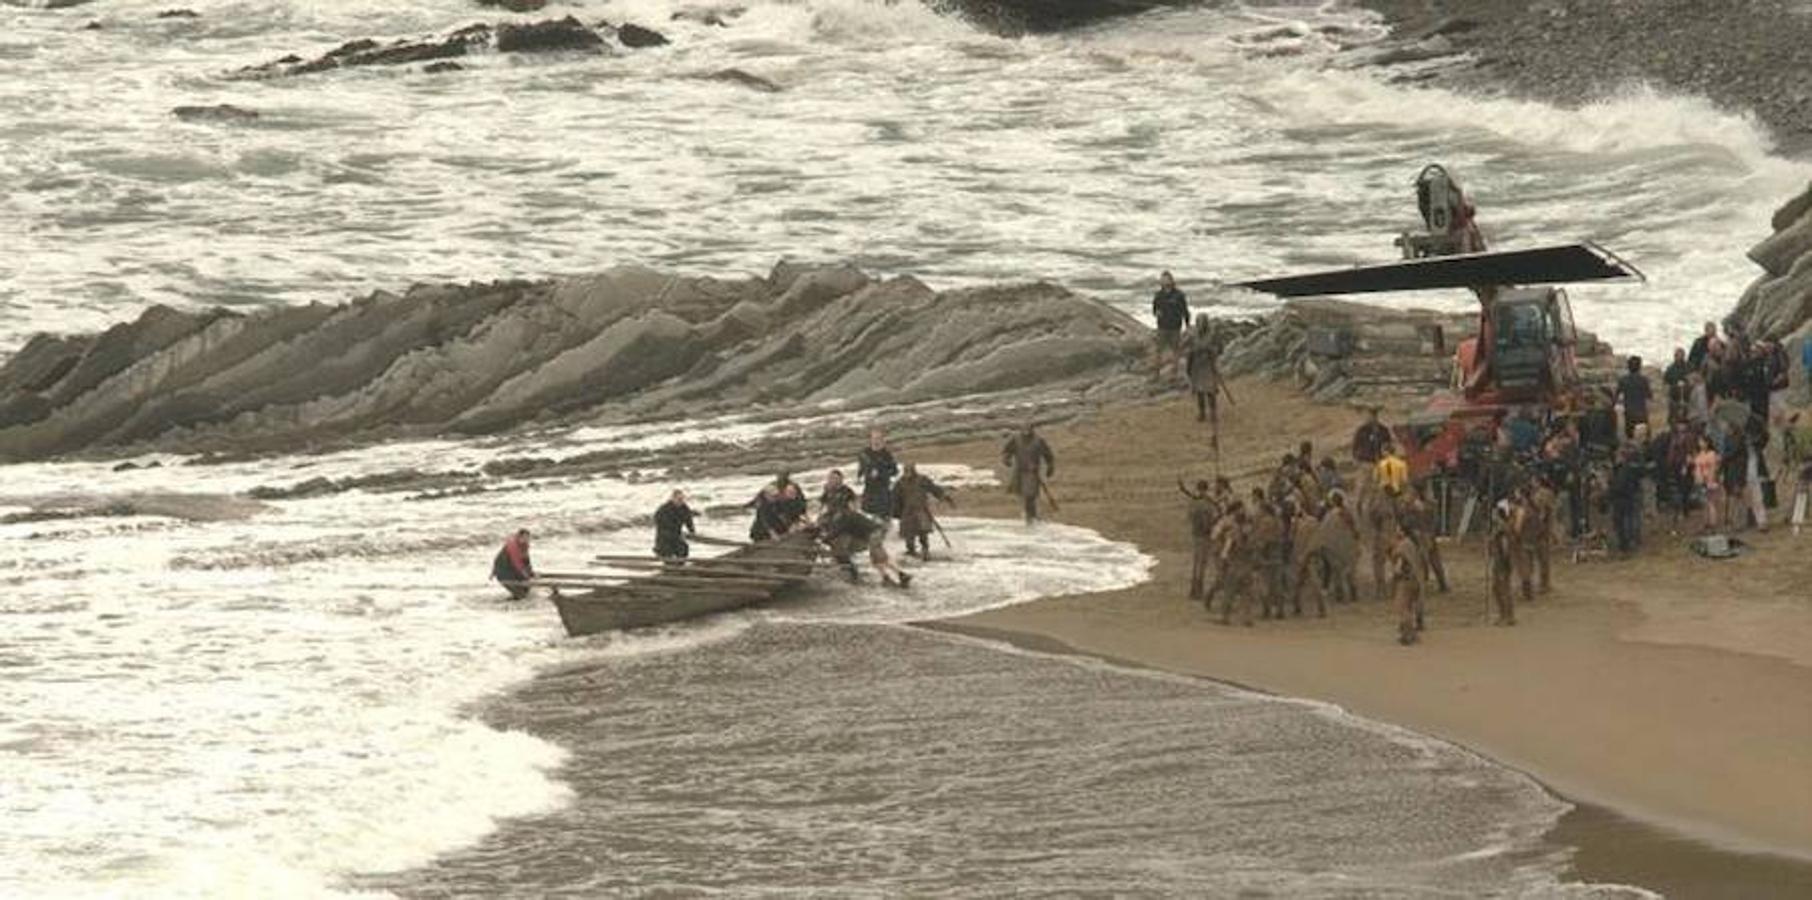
{"x":1609,"y":847}
{"x":1614,"y":695}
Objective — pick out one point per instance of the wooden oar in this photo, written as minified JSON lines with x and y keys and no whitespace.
{"x":698,"y":576}
{"x":726,"y":582}
{"x":735,"y":562}
{"x":709,"y":541}
{"x":648,"y":586}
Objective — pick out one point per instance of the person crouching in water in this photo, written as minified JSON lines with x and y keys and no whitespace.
{"x":512,"y":568}
{"x":845,"y":531}
{"x":672,"y":522}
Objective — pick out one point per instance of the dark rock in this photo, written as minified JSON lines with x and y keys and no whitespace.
{"x":738,"y":76}
{"x":547,"y":36}
{"x":63,"y":4}
{"x":498,"y":468}
{"x":1781,"y":250}
{"x":367,"y":52}
{"x":636,"y":37}
{"x":1793,"y":210}
{"x":437,"y":68}
{"x":93,"y":25}
{"x":515,"y":6}
{"x":224,"y":112}
{"x":179,"y":14}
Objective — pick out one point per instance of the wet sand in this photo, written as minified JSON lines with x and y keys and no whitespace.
{"x":1673,"y":690}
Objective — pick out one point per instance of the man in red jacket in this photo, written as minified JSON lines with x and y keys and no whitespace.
{"x":512,"y":568}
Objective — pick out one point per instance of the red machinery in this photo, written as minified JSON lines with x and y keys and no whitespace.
{"x":1524,"y":354}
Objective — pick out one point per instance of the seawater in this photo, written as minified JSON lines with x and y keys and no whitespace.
{"x":1224,"y":143}
{"x":325,"y":698}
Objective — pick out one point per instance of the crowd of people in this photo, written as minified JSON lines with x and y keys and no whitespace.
{"x":1527,"y":480}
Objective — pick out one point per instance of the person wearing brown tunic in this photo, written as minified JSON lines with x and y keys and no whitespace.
{"x":1233,"y":549}
{"x":1024,"y":453}
{"x":1204,"y":511}
{"x":1406,"y":567}
{"x":1418,"y":522}
{"x":912,"y":496}
{"x":1500,"y":553}
{"x":1544,"y":506}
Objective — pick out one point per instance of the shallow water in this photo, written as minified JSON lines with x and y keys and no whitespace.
{"x":887,"y":761}
{"x":307,"y":701}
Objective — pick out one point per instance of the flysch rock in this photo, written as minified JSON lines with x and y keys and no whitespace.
{"x":628,"y":343}
{"x":1778,"y":304}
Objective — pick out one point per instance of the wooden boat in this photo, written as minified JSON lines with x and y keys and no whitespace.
{"x":748,"y":575}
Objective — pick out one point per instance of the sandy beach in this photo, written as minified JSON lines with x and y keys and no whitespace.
{"x":1671,"y":689}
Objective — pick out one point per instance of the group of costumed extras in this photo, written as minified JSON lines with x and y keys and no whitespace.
{"x":846,"y":523}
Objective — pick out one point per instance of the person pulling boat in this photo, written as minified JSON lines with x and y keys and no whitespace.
{"x":512,"y":567}
{"x":672,"y":522}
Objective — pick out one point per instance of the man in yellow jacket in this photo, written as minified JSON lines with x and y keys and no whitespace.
{"x":1392,"y":471}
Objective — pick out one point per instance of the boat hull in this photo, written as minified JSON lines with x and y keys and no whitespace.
{"x":648,"y":601}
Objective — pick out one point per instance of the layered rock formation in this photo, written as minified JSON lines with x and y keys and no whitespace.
{"x":1339,"y":350}
{"x":1778,"y":304}
{"x":563,"y":35}
{"x":627,"y":343}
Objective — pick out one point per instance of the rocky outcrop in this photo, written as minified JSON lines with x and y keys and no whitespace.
{"x":1740,"y":54}
{"x":222,"y":112}
{"x":1339,"y":350}
{"x":636,"y":37}
{"x":1017,"y":17}
{"x":478,"y":358}
{"x":550,"y":35}
{"x":1778,"y":304}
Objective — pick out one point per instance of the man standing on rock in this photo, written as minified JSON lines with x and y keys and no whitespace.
{"x":1170,"y":308}
{"x":1633,"y":390}
{"x":672,"y":522}
{"x":1368,"y":445}
{"x":1024,"y":452}
{"x":876,"y":468}
{"x":912,"y":498}
{"x":1201,"y":363}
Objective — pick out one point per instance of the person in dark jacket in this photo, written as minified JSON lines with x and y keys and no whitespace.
{"x":778,"y":508}
{"x":1626,"y":499}
{"x":672,"y":522}
{"x":1633,"y":390}
{"x":1675,"y":379}
{"x":1170,"y":307}
{"x":512,"y":567}
{"x":845,"y":531}
{"x":876,"y":470}
{"x":836,"y":496}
